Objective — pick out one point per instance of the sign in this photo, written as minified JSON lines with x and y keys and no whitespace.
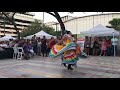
{"x":81,"y":40}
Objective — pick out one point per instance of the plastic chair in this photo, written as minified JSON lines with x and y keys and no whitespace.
{"x":20,"y":53}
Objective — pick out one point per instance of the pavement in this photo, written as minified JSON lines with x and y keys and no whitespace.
{"x":45,"y":67}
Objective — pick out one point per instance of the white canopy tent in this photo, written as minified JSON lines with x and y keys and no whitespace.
{"x":41,"y":34}
{"x":6,"y":38}
{"x":101,"y":30}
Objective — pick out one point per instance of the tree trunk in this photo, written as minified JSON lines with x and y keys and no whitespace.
{"x":60,"y":22}
{"x":12,"y":20}
{"x":15,"y":26}
{"x":57,"y":16}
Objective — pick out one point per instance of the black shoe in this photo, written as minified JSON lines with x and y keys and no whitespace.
{"x":64,"y":64}
{"x":69,"y":67}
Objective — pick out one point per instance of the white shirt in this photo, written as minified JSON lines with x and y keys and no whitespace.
{"x":4,"y":45}
{"x":114,"y":41}
{"x":39,"y":43}
{"x":10,"y":44}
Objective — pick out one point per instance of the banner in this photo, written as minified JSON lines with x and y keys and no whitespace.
{"x":81,"y":40}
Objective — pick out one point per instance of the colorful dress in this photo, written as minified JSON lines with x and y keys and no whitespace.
{"x":66,"y":50}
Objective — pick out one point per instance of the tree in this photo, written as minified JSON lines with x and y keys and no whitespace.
{"x":10,"y":17}
{"x":36,"y":27}
{"x":57,"y":16}
{"x":57,"y":33}
{"x":115,"y":23}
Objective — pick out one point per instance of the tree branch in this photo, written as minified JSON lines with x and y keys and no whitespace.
{"x":13,"y":15}
{"x":51,"y":14}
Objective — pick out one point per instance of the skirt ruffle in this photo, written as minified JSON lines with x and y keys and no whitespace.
{"x":58,"y":50}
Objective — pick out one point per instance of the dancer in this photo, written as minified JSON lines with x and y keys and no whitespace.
{"x":67,"y":49}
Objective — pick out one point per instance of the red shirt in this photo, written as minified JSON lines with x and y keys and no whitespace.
{"x":52,"y":43}
{"x":108,"y":43}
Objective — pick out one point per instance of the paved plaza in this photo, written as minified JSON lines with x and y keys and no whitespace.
{"x":45,"y":67}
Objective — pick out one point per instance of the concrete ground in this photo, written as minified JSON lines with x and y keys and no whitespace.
{"x":45,"y":67}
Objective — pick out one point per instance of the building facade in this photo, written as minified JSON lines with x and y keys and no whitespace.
{"x":79,"y":24}
{"x":22,"y":21}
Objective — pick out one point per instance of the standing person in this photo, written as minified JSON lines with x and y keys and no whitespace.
{"x":48,"y":46}
{"x":87,"y":47}
{"x":103,"y":47}
{"x":52,"y":42}
{"x":95,"y":47}
{"x":11,"y":44}
{"x":26,"y":49}
{"x":39,"y":46}
{"x":67,"y":48}
{"x":34,"y":44}
{"x":58,"y":39}
{"x":44,"y":46}
{"x":15,"y":48}
{"x":108,"y":42}
{"x":114,"y":44}
{"x":21,"y":42}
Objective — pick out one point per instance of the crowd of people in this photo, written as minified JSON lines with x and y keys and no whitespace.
{"x":101,"y":46}
{"x":66,"y":46}
{"x":43,"y":47}
{"x":35,"y":46}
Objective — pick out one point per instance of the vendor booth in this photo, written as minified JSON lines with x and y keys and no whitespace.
{"x":7,"y":38}
{"x":41,"y":34}
{"x":101,"y":31}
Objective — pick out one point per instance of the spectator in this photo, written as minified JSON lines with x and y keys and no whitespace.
{"x":11,"y":44}
{"x":44,"y":46}
{"x":103,"y":47}
{"x":34,"y":44}
{"x":108,"y":42}
{"x":58,"y":39}
{"x":26,"y":50}
{"x":39,"y":46}
{"x":21,"y":43}
{"x":52,"y":42}
{"x":87,"y":46}
{"x":114,"y":44}
{"x":95,"y":47}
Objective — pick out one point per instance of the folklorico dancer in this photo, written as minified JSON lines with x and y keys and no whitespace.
{"x":68,"y":49}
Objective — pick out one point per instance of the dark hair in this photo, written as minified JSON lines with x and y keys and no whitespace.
{"x":68,"y":32}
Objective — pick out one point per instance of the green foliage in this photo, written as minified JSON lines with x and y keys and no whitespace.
{"x":57,"y":33}
{"x":38,"y":26}
{"x":115,"y":23}
{"x":32,"y":29}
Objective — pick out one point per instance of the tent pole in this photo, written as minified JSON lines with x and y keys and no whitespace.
{"x":114,"y":42}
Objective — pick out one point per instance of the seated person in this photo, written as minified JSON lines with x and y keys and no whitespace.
{"x":30,"y":49}
{"x":1,"y":49}
{"x":2,"y":53}
{"x":27,"y":47}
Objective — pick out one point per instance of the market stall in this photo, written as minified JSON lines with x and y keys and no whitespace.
{"x":101,"y":31}
{"x":41,"y":34}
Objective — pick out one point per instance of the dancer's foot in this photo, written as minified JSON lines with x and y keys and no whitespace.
{"x":69,"y":67}
{"x":64,"y":64}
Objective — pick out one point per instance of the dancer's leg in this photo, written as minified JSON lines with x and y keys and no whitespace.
{"x":69,"y":67}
